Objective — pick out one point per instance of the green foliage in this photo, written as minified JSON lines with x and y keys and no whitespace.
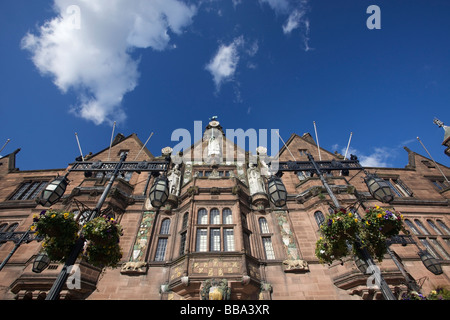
{"x":342,"y":233}
{"x":103,"y":249}
{"x":59,"y":230}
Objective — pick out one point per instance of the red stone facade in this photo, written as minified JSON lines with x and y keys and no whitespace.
{"x":214,"y":227}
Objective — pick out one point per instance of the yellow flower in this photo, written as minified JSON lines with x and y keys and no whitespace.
{"x":66,"y":215}
{"x":53,"y":215}
{"x":367,"y":222}
{"x":356,"y":220}
{"x":32,"y":228}
{"x":377,"y":207}
{"x":349,"y":214}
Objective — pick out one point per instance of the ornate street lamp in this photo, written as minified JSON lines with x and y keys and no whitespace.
{"x":159,"y":191}
{"x":53,"y":192}
{"x":378,"y":188}
{"x":41,"y":263}
{"x":430,"y":262}
{"x":277,"y":191}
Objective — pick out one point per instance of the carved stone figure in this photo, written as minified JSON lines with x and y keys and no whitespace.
{"x":214,"y":143}
{"x":134,"y":266}
{"x":174,"y":178}
{"x":295,"y":265}
{"x":256,"y":184}
{"x":214,"y":289}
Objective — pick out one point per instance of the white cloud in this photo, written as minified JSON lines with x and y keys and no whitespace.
{"x":297,"y":19}
{"x":93,"y":58}
{"x":380,"y":156}
{"x":280,"y":6}
{"x":293,"y":21}
{"x":223,"y":65}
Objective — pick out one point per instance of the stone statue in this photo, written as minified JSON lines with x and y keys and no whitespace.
{"x":213,"y":146}
{"x":174,"y":178}
{"x":256,"y":183}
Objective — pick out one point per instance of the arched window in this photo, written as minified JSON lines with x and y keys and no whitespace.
{"x":165,"y":226}
{"x":434,"y":227}
{"x":421,"y":226}
{"x":215,"y":216}
{"x":163,"y":239}
{"x":266,"y":240}
{"x":318,"y":215}
{"x":3,"y":227}
{"x":443,"y":226}
{"x":263,"y":225}
{"x":185,"y":221}
{"x":202,"y":216}
{"x":183,"y":234}
{"x":412,"y":227}
{"x":227,"y":217}
{"x":12,"y":227}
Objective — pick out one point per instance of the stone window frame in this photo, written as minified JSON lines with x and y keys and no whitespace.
{"x":162,"y":241}
{"x":213,"y":233}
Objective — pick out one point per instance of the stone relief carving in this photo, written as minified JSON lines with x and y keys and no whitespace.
{"x":134,"y":267}
{"x":295,"y":265}
{"x":141,"y":245}
{"x":293,"y":261}
{"x":214,"y":289}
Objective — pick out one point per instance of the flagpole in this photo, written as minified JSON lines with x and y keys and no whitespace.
{"x":110,"y":144}
{"x":79,"y":146}
{"x":434,"y":161}
{"x":317,"y":139}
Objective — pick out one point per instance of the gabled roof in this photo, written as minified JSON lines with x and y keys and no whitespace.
{"x":119,"y":138}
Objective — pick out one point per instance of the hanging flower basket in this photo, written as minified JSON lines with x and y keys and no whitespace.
{"x":103,"y":256}
{"x":59,"y":231}
{"x":57,"y":250}
{"x":338,"y":232}
{"x":329,"y":251}
{"x":103,"y":235}
{"x":102,"y":230}
{"x":384,"y":221}
{"x":343,"y":233}
{"x":51,"y":223}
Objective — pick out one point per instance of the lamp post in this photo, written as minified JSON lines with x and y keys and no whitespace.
{"x":52,"y":194}
{"x":318,"y":167}
{"x":19,"y":238}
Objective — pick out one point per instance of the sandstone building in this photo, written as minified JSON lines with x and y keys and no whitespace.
{"x":218,"y":223}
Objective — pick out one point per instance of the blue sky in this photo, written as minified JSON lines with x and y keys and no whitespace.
{"x":159,"y":65}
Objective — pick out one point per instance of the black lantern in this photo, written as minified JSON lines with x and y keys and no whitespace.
{"x":277,"y":191}
{"x":361,"y":264}
{"x":53,"y":192}
{"x":41,"y":262}
{"x":159,"y":192}
{"x":430,"y":262}
{"x":378,"y":188}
